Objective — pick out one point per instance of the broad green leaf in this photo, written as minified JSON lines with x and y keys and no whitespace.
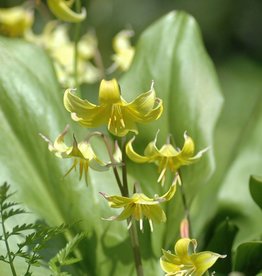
{"x":255,"y":187}
{"x":248,"y":258}
{"x":238,"y":149}
{"x":171,"y":53}
{"x":220,"y":241}
{"x":31,"y":102}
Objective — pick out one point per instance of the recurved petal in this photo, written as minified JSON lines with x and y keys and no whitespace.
{"x":186,"y":157}
{"x":142,"y":199}
{"x":133,"y":155}
{"x":182,"y":248}
{"x":144,"y":102}
{"x":117,"y":201}
{"x":86,"y":150}
{"x":151,"y":150}
{"x":199,"y":154}
{"x":59,"y":144}
{"x":154,"y":212}
{"x":84,"y":112}
{"x":109,"y":92}
{"x":170,"y":193}
{"x":74,"y":151}
{"x":169,"y":263}
{"x":138,"y":112}
{"x":127,"y":212}
{"x":189,"y":146}
{"x":204,"y":260}
{"x":98,"y":165}
{"x":61,"y":9}
{"x":168,"y":256}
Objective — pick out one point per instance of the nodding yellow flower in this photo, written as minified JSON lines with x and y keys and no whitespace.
{"x":55,"y":39}
{"x":82,"y":154}
{"x":62,"y":10}
{"x":120,"y":116}
{"x":167,"y":157}
{"x":139,"y":206}
{"x":16,"y":21}
{"x":183,"y":263}
{"x":124,"y":52}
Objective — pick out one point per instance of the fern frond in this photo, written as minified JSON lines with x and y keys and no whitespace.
{"x":8,"y":205}
{"x":20,"y":228}
{"x":12,"y":212}
{"x":63,"y":257}
{"x":4,"y":195}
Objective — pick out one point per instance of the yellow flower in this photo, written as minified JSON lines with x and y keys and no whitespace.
{"x":55,"y":39}
{"x":120,"y":116}
{"x":167,"y":157}
{"x":140,"y":206}
{"x":62,"y":10}
{"x":124,"y":51}
{"x":183,"y":263}
{"x":82,"y":153}
{"x":16,"y":21}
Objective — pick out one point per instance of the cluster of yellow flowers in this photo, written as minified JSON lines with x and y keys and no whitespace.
{"x":120,"y":116}
{"x":18,"y":21}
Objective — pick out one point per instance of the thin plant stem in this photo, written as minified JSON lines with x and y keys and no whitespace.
{"x":7,"y":247}
{"x":76,"y":40}
{"x":132,"y":230}
{"x":111,"y":157}
{"x":186,"y":207}
{"x":135,"y":248}
{"x":124,"y":170}
{"x":117,"y":177}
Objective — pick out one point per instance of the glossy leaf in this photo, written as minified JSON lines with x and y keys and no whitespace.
{"x":221,"y":241}
{"x":171,"y":53}
{"x":248,"y":258}
{"x":238,"y":149}
{"x":255,"y":187}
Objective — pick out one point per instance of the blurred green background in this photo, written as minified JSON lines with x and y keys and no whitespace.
{"x":229,"y":27}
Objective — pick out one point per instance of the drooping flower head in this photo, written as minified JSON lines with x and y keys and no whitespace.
{"x":62,"y":10}
{"x":124,"y":52}
{"x":167,"y":157}
{"x":184,"y":263}
{"x":56,"y":41}
{"x":16,"y":21}
{"x":82,"y":154}
{"x":139,"y":206}
{"x":119,"y":116}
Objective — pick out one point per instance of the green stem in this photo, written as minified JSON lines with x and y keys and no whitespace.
{"x":7,"y":247}
{"x":135,"y":248}
{"x":124,"y":170}
{"x":117,"y":177}
{"x":186,"y":207}
{"x":76,"y":40}
{"x":111,"y":157}
{"x":132,"y":230}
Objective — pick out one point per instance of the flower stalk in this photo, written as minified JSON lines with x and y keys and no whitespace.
{"x":76,"y":39}
{"x":132,"y":229}
{"x":186,"y":208}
